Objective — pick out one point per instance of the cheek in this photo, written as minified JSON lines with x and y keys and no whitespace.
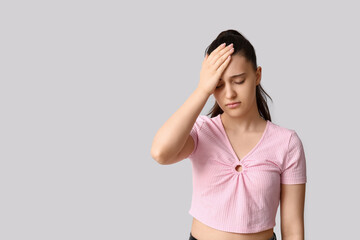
{"x":251,"y":95}
{"x":217,"y":99}
{"x":247,"y":94}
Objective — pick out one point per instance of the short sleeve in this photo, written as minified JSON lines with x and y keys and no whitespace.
{"x":195,"y":132}
{"x":294,"y":167}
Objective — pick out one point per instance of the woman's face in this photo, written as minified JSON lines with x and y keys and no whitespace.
{"x":239,"y":88}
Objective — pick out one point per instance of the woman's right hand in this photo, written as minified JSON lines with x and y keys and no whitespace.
{"x":213,"y":66}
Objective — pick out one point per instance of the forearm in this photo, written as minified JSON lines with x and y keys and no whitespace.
{"x":293,"y":229}
{"x":293,"y":232}
{"x":293,"y":237}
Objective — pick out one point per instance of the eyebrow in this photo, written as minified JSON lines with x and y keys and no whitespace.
{"x":237,"y":75}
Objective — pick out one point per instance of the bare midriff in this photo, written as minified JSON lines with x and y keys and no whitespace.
{"x":201,"y":231}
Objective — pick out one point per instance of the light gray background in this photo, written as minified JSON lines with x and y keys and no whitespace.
{"x":85,"y":85}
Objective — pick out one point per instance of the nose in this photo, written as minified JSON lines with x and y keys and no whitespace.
{"x":229,"y":91}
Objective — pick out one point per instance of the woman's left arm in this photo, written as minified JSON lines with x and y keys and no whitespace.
{"x":292,"y":201}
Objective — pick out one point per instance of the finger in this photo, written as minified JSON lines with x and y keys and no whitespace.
{"x":220,"y":54}
{"x":216,"y":51}
{"x":223,"y":58}
{"x":223,"y":65}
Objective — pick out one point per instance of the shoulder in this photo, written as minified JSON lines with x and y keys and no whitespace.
{"x":199,"y":123}
{"x":205,"y":125}
{"x":283,"y":134}
{"x":281,"y":130}
{"x":205,"y":119}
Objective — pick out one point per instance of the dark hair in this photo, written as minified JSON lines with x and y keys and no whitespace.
{"x":244,"y":48}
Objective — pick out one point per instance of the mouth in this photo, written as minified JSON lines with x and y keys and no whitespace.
{"x":233,"y":103}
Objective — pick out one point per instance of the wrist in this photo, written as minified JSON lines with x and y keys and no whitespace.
{"x":202,"y":93}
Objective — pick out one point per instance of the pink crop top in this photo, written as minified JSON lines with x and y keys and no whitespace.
{"x":245,"y":201}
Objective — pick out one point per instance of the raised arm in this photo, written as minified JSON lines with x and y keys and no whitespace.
{"x":172,"y":136}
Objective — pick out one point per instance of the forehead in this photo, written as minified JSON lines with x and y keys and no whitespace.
{"x":238,"y":64}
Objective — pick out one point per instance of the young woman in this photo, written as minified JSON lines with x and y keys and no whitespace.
{"x":243,"y":164}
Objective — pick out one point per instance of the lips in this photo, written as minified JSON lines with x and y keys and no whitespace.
{"x":232,"y":103}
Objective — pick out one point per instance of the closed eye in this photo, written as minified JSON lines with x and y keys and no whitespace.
{"x":235,"y":82}
{"x":240,"y":82}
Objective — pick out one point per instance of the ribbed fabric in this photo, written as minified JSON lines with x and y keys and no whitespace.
{"x":245,"y":201}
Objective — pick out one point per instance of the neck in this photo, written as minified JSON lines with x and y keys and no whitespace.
{"x":251,"y":122}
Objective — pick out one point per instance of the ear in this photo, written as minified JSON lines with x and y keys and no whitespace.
{"x":258,"y":75}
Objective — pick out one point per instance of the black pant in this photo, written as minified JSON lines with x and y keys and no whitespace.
{"x":272,"y":238}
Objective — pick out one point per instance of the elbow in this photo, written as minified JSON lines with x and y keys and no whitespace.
{"x":162,"y":159}
{"x":157,"y":156}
